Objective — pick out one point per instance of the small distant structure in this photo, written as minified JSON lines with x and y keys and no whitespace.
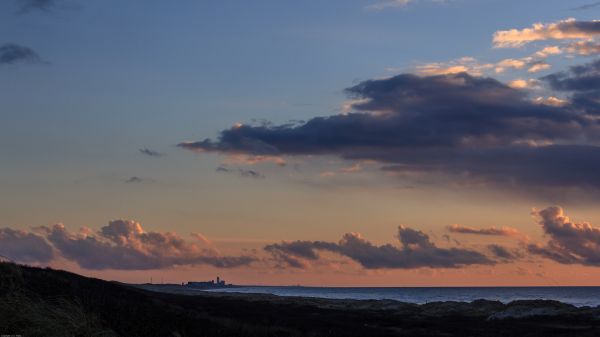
{"x":218,"y":283}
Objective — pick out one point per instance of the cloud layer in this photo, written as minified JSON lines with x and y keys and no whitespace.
{"x":456,"y":125}
{"x":415,"y":251}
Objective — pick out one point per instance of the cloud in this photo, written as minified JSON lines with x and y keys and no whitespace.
{"x":388,"y":4}
{"x":415,"y":251}
{"x":123,"y":244}
{"x":524,"y":84}
{"x":562,"y":30}
{"x":24,"y":247}
{"x":570,"y":242}
{"x":547,"y":51}
{"x":587,"y":6}
{"x":385,"y":4}
{"x":458,"y":126}
{"x":32,"y":5}
{"x":247,"y":173}
{"x":583,"y":83}
{"x":551,"y":100}
{"x":584,"y":48}
{"x":11,"y":53}
{"x":537,"y":67}
{"x":150,"y":153}
{"x":464,"y":64}
{"x":504,"y":231}
{"x":504,"y":253}
{"x":134,"y":180}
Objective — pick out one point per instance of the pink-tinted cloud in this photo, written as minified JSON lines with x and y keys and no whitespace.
{"x":570,"y":242}
{"x":24,"y":246}
{"x":416,"y":250}
{"x":561,"y":30}
{"x":123,"y":244}
{"x":503,"y":231}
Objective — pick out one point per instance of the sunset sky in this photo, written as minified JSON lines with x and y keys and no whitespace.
{"x":339,"y":142}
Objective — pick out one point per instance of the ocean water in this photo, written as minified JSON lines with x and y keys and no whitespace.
{"x":578,"y":296}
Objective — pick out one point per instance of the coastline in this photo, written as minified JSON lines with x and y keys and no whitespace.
{"x":47,"y":302}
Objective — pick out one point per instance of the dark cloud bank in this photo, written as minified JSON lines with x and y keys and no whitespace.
{"x":456,"y":125}
{"x":415,"y":251}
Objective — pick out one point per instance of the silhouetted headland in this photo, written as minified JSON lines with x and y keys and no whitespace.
{"x":47,"y":302}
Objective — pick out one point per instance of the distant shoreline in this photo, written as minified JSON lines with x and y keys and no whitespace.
{"x":577,"y":296}
{"x":82,"y":306}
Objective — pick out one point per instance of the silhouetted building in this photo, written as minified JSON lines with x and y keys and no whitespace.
{"x":208,"y":284}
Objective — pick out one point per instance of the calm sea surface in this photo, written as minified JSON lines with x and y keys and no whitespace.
{"x":579,"y":296}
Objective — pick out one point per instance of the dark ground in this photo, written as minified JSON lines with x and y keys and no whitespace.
{"x":46,"y":302}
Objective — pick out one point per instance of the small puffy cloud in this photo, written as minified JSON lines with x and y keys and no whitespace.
{"x":510,"y":63}
{"x":524,"y":84}
{"x":11,"y":53}
{"x":503,"y":231}
{"x":551,"y":100}
{"x":570,"y":242}
{"x":547,"y":51}
{"x":416,"y":250}
{"x":123,"y":244}
{"x":24,"y":247}
{"x":562,"y":30}
{"x":537,"y":67}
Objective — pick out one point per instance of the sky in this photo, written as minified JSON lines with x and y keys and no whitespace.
{"x":342,"y":143}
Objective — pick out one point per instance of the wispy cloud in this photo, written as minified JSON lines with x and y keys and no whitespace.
{"x":11,"y":53}
{"x":503,"y":231}
{"x":150,"y":153}
{"x":385,"y":4}
{"x":587,"y":6}
{"x":247,"y":173}
{"x":134,"y":180}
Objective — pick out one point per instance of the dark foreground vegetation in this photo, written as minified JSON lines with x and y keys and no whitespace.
{"x":46,"y":302}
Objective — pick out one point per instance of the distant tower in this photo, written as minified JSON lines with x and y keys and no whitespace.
{"x":218,"y":280}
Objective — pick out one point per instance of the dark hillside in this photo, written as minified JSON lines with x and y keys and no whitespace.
{"x":46,"y":302}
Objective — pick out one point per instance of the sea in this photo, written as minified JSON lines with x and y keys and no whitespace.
{"x":578,"y":296}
